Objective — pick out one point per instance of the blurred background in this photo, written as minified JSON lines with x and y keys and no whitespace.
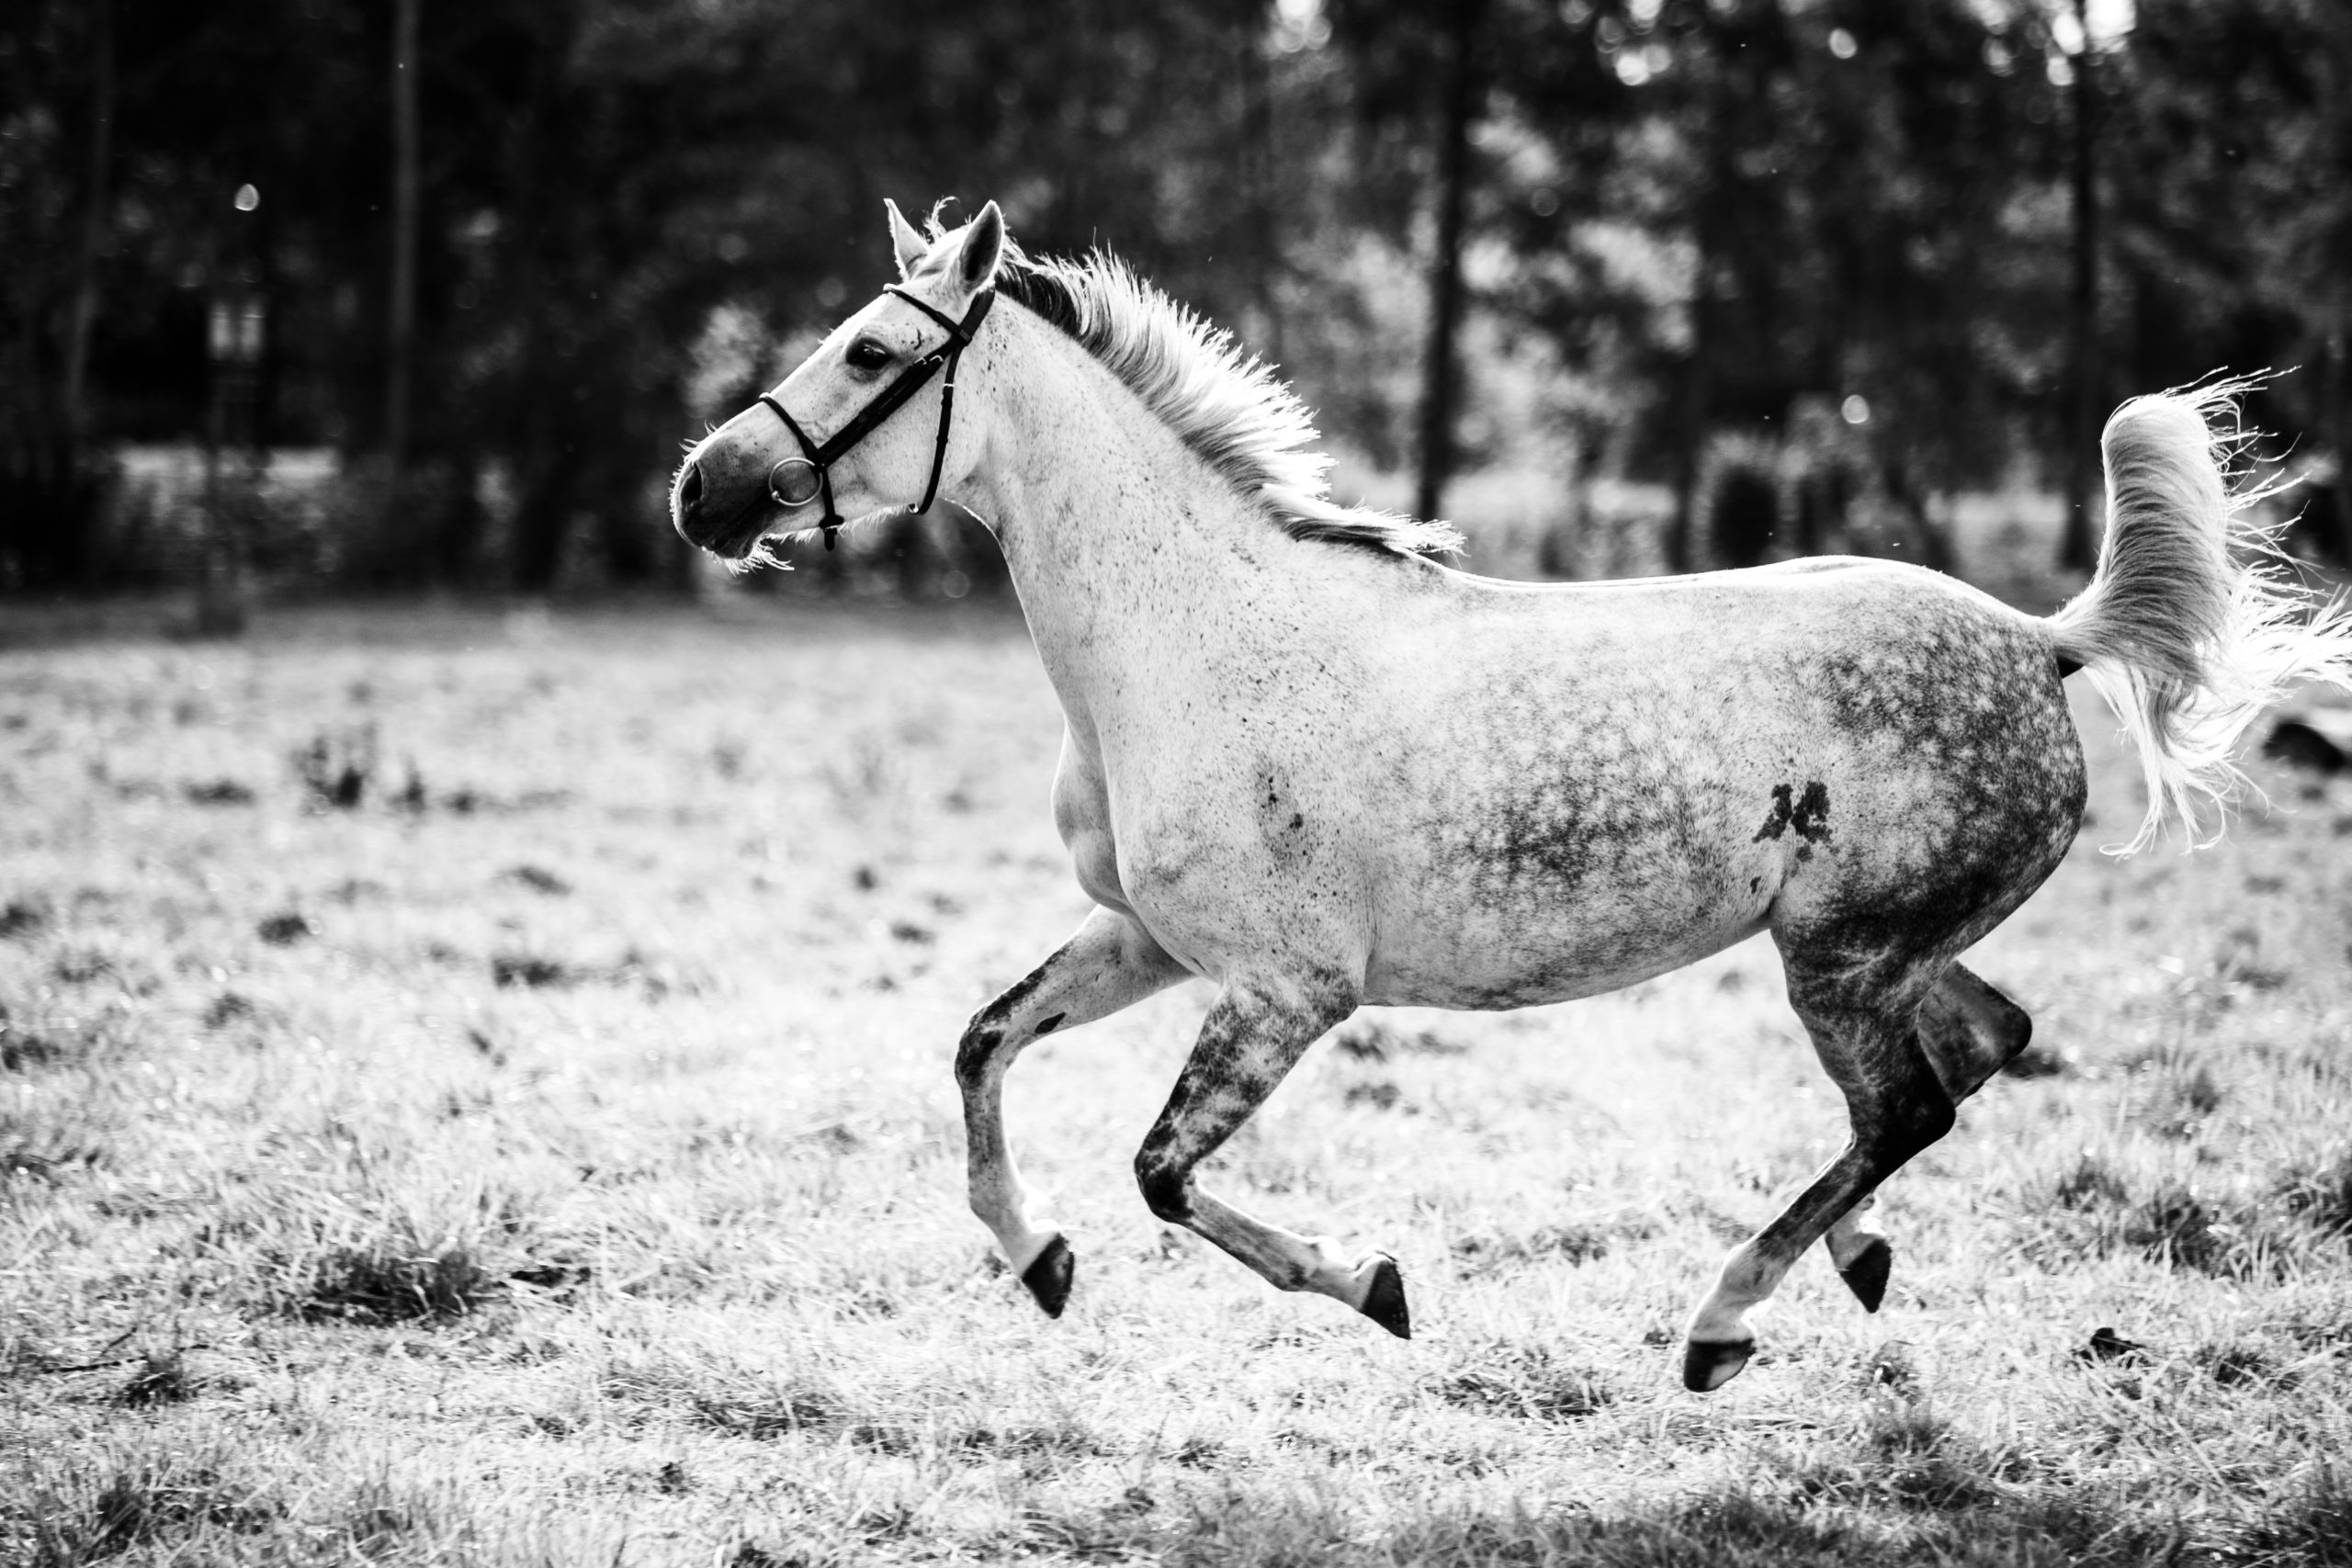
{"x":325,"y":296}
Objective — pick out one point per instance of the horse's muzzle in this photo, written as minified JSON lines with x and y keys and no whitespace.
{"x":714,"y":512}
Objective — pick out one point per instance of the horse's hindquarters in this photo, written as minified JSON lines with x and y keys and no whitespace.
{"x":1968,"y":789}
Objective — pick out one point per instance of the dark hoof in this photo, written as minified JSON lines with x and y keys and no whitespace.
{"x":1048,"y":1277}
{"x":1708,"y":1364}
{"x":1866,"y":1275}
{"x":1384,"y":1302}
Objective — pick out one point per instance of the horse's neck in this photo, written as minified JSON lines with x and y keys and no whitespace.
{"x":1121,"y":541}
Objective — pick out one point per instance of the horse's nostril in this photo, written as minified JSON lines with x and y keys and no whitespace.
{"x":690,"y":489}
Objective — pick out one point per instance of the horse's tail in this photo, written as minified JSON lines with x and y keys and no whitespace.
{"x":2185,"y":639}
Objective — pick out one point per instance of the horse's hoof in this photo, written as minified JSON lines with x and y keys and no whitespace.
{"x":1866,"y":1275}
{"x":1708,"y":1364}
{"x":1049,"y":1276}
{"x":1384,"y":1302}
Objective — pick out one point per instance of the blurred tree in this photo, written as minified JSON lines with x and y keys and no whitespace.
{"x":2077,"y":548}
{"x":1464,"y":86}
{"x":1715,"y":211}
{"x":1744,"y":203}
{"x":401,"y":317}
{"x":57,"y":121}
{"x":95,"y":207}
{"x":2232,"y":216}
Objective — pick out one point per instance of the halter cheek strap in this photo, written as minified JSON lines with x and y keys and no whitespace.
{"x":816,"y":460}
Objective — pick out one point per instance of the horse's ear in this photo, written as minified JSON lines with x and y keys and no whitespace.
{"x":904,"y":239}
{"x":983,"y":248}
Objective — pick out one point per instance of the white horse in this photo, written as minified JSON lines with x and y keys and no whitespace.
{"x":1307,"y":763}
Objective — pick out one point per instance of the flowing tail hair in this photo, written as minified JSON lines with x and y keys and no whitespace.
{"x":2194,"y":622}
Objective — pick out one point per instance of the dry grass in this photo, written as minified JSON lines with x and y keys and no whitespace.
{"x":474,"y":1089}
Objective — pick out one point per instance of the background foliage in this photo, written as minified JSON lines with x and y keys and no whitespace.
{"x":1680,"y":220}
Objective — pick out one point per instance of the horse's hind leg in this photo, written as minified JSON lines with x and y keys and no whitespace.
{"x":1861,"y":1252}
{"x":1253,"y":1035}
{"x":1108,"y":964}
{"x":1968,"y":1030}
{"x":1864,"y":1030}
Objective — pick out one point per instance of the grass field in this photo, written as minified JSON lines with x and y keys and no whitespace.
{"x":474,"y":1089}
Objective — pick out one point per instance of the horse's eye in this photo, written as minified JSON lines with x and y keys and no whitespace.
{"x":867,"y":355}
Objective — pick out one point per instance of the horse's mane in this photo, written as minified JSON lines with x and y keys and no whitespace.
{"x":1226,"y":403}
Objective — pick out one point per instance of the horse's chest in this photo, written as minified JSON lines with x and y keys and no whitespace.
{"x":1203,"y":851}
{"x":1082,"y":816}
{"x":1095,"y":856}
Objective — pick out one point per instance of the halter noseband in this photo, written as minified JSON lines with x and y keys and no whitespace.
{"x":818,"y":461}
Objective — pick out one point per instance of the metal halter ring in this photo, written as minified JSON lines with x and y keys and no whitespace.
{"x":797,"y":488}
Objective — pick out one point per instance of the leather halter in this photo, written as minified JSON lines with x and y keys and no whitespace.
{"x":819,"y":460}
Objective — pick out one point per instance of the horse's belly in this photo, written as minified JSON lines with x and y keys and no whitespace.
{"x":1533,"y":951}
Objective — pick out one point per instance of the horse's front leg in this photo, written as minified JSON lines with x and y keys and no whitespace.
{"x":1108,"y":964}
{"x":1255,"y":1032}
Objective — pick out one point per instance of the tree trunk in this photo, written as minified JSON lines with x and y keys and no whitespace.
{"x":1257,"y":173}
{"x":400,"y":336}
{"x":536,"y":442}
{"x":1439,"y":380}
{"x":2079,"y":547}
{"x":93,"y":222}
{"x":2335,"y":421}
{"x":2335,"y":393}
{"x":1690,"y":435}
{"x":1075,"y":212}
{"x":1713,"y":116}
{"x":1698,"y":377}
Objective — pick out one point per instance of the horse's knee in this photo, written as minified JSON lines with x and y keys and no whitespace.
{"x":983,"y":1038}
{"x":1165,"y":1185}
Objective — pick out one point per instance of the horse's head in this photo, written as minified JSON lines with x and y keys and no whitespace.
{"x":860,"y":426}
